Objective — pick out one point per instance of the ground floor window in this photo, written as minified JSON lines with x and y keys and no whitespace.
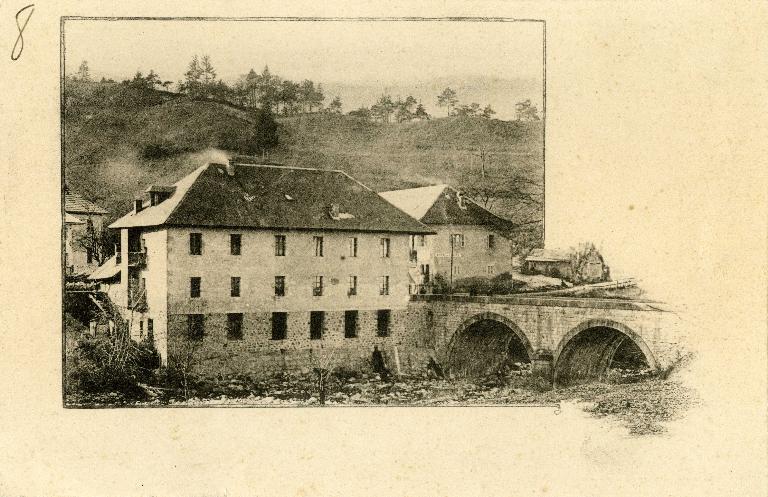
{"x":350,"y":324}
{"x":235,"y":326}
{"x":279,"y":325}
{"x":382,"y":322}
{"x":316,"y":322}
{"x":195,"y":326}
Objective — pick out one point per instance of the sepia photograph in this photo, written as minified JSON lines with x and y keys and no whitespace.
{"x":316,"y":223}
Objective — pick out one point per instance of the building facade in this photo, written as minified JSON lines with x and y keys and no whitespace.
{"x":247,"y":267}
{"x":469,"y":240}
{"x":83,"y":224}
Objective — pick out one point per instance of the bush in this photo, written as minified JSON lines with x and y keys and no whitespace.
{"x":502,"y":284}
{"x":95,"y":366}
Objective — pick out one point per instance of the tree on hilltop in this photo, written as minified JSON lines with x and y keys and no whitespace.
{"x":448,"y":99}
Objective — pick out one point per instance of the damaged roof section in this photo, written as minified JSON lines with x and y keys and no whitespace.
{"x":271,"y":196}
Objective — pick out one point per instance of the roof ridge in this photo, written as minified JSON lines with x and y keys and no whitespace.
{"x":281,"y":166}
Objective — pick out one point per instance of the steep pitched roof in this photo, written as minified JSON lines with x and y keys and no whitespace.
{"x":439,"y":205}
{"x":77,"y":204}
{"x":271,"y":196}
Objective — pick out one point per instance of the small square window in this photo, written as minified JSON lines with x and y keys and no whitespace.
{"x":235,"y":326}
{"x":235,"y":244}
{"x":194,"y":286}
{"x":279,"y":286}
{"x":317,"y":288}
{"x":196,"y":243}
{"x":234,"y":284}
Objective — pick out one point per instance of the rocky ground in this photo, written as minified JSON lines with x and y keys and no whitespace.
{"x":642,"y":405}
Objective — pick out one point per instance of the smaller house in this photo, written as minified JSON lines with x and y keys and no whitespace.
{"x":548,"y":262}
{"x":83,"y":221}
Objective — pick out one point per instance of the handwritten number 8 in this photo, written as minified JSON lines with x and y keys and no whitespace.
{"x":18,"y":47}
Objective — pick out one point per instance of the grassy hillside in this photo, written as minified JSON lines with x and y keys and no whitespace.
{"x":120,"y":140}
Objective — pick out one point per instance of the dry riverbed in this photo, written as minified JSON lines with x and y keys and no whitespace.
{"x":643,"y":406}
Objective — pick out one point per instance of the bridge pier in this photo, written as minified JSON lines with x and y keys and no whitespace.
{"x":541,"y":365}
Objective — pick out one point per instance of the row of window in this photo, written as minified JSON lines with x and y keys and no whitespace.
{"x":457,"y":241}
{"x":196,"y":325}
{"x":236,"y":244}
{"x":318,"y":286}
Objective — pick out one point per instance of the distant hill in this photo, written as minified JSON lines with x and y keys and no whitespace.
{"x":120,"y":140}
{"x":501,"y":94}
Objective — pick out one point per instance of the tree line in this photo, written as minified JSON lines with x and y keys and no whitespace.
{"x":286,"y":97}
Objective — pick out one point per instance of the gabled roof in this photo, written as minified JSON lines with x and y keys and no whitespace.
{"x":77,"y":204}
{"x":439,"y":205}
{"x":547,"y":255}
{"x":277,"y":197}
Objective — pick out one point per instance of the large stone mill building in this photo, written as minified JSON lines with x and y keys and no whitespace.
{"x":252,"y":264}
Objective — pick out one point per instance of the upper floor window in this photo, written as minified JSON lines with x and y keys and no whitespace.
{"x":279,"y":245}
{"x":491,"y":241}
{"x":384,"y":285}
{"x":384,"y":244}
{"x":352,"y":246}
{"x":317,"y":289}
{"x":194,"y":286}
{"x":318,"y":246}
{"x":195,"y":243}
{"x":457,"y":240}
{"x":422,"y":240}
{"x":235,"y":241}
{"x":279,"y":286}
{"x":352,"y":285}
{"x":234,"y":290}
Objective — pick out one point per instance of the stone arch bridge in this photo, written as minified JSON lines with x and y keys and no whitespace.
{"x":568,"y":340}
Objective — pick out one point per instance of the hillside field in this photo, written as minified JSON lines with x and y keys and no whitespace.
{"x":120,"y":140}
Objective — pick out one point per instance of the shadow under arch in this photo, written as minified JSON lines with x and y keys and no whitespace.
{"x":485,"y":342}
{"x":585,"y":352}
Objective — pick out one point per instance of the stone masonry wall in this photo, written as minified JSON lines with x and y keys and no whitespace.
{"x":257,"y":354}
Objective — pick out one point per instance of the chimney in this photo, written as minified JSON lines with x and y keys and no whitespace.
{"x":230,"y":168}
{"x":138,"y":205}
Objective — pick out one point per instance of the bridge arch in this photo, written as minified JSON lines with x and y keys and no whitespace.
{"x":586,"y":351}
{"x":485,"y":342}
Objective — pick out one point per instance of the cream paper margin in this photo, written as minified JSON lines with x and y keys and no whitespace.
{"x":655,"y":147}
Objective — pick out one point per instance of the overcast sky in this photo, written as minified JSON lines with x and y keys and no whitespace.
{"x":326,"y":52}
